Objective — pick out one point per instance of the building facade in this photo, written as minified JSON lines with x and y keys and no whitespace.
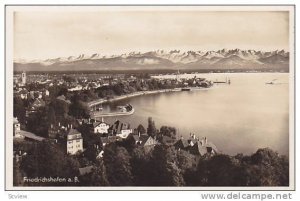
{"x":100,"y":127}
{"x":17,"y":128}
{"x":74,"y":142}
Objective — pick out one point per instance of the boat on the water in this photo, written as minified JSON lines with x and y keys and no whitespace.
{"x":271,"y":82}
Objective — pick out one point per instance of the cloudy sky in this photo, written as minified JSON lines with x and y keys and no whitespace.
{"x":58,"y":33}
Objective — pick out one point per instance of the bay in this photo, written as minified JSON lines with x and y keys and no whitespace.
{"x":238,"y":118}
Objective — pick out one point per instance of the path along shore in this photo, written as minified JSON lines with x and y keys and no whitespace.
{"x":139,"y":93}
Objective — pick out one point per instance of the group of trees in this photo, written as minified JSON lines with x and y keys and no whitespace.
{"x":46,"y":159}
{"x":121,"y":88}
{"x":164,"y":166}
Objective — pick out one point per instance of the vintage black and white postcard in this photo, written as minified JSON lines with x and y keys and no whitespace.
{"x":150,"y":97}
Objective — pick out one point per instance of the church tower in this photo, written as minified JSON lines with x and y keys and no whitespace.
{"x":24,"y":78}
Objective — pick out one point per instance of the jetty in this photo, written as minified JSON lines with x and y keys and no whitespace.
{"x":111,"y":114}
{"x":123,"y":110}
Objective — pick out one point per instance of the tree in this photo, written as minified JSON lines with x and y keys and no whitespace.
{"x":98,"y":176}
{"x":117,"y":165}
{"x":56,"y":90}
{"x":141,"y":129}
{"x":168,"y":131}
{"x":221,"y":171}
{"x":51,"y":116}
{"x":37,"y":122}
{"x":186,"y":161}
{"x":118,"y":89}
{"x":60,"y":108}
{"x":270,"y":168}
{"x":139,"y":163}
{"x":19,"y":109}
{"x":78,"y":109}
{"x":48,"y":160}
{"x":151,"y":130}
{"x":163,"y":168}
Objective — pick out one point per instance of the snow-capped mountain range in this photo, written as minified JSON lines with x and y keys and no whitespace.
{"x":160,"y":59}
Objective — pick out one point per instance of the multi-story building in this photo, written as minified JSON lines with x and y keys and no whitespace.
{"x":74,"y":141}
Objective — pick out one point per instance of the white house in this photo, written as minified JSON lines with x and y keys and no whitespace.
{"x":100,"y":127}
{"x":74,"y":142}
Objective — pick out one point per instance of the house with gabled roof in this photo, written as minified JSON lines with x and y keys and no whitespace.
{"x":203,"y":147}
{"x":120,"y":129}
{"x":143,"y":139}
{"x":196,"y":146}
{"x":99,"y":127}
{"x":182,"y":144}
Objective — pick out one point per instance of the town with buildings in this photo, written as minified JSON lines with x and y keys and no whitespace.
{"x":61,"y":133}
{"x":65,"y":112}
{"x":149,"y":96}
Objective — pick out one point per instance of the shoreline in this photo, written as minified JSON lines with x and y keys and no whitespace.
{"x":140,"y":93}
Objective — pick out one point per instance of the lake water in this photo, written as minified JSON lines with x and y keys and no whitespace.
{"x":238,"y":118}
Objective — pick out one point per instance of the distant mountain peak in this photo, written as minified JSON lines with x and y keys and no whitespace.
{"x":161,"y":59}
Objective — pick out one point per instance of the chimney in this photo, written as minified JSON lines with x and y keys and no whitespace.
{"x":205,"y":139}
{"x":194,"y":136}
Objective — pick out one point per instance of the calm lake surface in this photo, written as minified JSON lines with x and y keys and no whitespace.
{"x":238,"y":118}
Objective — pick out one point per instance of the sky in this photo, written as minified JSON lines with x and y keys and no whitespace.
{"x":51,"y":33}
